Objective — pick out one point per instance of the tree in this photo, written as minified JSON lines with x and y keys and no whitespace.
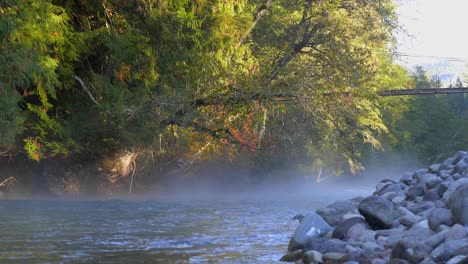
{"x":196,"y":78}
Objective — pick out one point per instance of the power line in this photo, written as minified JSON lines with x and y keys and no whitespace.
{"x":453,"y":59}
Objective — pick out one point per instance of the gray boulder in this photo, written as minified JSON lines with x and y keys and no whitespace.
{"x":311,"y":226}
{"x":415,"y":191}
{"x":440,"y":216}
{"x":324,"y":245}
{"x":378,"y":212}
{"x":432,"y":195}
{"x":421,"y":207}
{"x":389,"y":187}
{"x":413,"y":246}
{"x":461,"y":166}
{"x":312,"y":257}
{"x":458,"y":204}
{"x":456,"y":232}
{"x":432,"y":182}
{"x":452,"y":187}
{"x":447,"y":164}
{"x":445,"y":174}
{"x":407,"y":178}
{"x":459,"y":156}
{"x":450,"y":249}
{"x":342,"y":229}
{"x":434,"y":168}
{"x":292,"y":256}
{"x":460,"y":259}
{"x":333,"y":214}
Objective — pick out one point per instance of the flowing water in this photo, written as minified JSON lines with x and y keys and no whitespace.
{"x":154,"y":231}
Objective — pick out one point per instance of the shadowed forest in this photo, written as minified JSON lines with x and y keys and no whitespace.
{"x":117,"y":96}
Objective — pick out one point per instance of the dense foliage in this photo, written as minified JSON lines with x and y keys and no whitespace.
{"x":295,"y":80}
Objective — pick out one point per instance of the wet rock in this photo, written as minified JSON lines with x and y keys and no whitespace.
{"x":440,"y":216}
{"x":397,"y":261}
{"x":456,"y":232}
{"x":407,"y":178}
{"x":432,"y":182}
{"x":409,"y":221}
{"x":458,"y":204}
{"x":335,"y":257}
{"x":357,"y":257}
{"x":334,"y":213}
{"x":398,"y":199}
{"x":456,"y":176}
{"x":415,"y":191}
{"x":413,"y":245}
{"x":389,"y":187}
{"x":443,"y":187}
{"x":435,"y":240}
{"x":311,"y":226}
{"x":421,"y":207}
{"x":324,"y":245}
{"x":292,"y":256}
{"x":378,"y":261}
{"x":312,"y":257}
{"x":447,"y":164}
{"x":342,"y":229}
{"x":450,"y":249}
{"x":459,"y":156}
{"x":432,"y":195}
{"x":461,"y":166}
{"x":360,"y":233}
{"x":434,"y":168}
{"x":377,"y":211}
{"x":460,"y":259}
{"x":445,"y":174}
{"x":452,"y":187}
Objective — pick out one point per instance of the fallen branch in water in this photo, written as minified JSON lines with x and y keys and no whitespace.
{"x":7,"y":182}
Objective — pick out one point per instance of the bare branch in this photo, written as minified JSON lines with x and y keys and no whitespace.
{"x":85,"y":88}
{"x":7,"y":182}
{"x":258,"y":15}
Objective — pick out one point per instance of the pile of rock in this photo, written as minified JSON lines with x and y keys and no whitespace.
{"x":423,"y":218}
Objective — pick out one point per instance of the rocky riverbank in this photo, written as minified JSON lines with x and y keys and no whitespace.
{"x":422,"y":218}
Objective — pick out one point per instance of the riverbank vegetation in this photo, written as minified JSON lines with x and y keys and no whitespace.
{"x":262,"y":84}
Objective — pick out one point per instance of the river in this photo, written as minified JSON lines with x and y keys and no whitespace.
{"x":151,"y":231}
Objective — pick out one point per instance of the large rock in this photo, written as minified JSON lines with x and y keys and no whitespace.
{"x":342,"y":229}
{"x":324,"y":245}
{"x":450,"y":249}
{"x":311,"y":226}
{"x":415,"y":191}
{"x":458,"y":204}
{"x":461,"y":166}
{"x":389,"y":187}
{"x":432,"y":182}
{"x":312,"y":257}
{"x":292,"y":256}
{"x":421,"y":207}
{"x":333,"y":214}
{"x":432,"y":195}
{"x":413,"y":245}
{"x":440,"y":216}
{"x":377,"y":211}
{"x":459,"y":156}
{"x":453,"y":186}
{"x":447,"y":164}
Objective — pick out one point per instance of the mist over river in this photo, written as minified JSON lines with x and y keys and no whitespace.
{"x":245,"y":229}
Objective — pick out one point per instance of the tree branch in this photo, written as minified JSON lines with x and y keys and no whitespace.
{"x":86,"y":89}
{"x":258,"y":15}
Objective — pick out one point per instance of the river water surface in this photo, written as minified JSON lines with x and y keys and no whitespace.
{"x":153,"y":231}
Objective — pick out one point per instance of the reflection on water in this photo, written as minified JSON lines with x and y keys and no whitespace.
{"x":147,"y":232}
